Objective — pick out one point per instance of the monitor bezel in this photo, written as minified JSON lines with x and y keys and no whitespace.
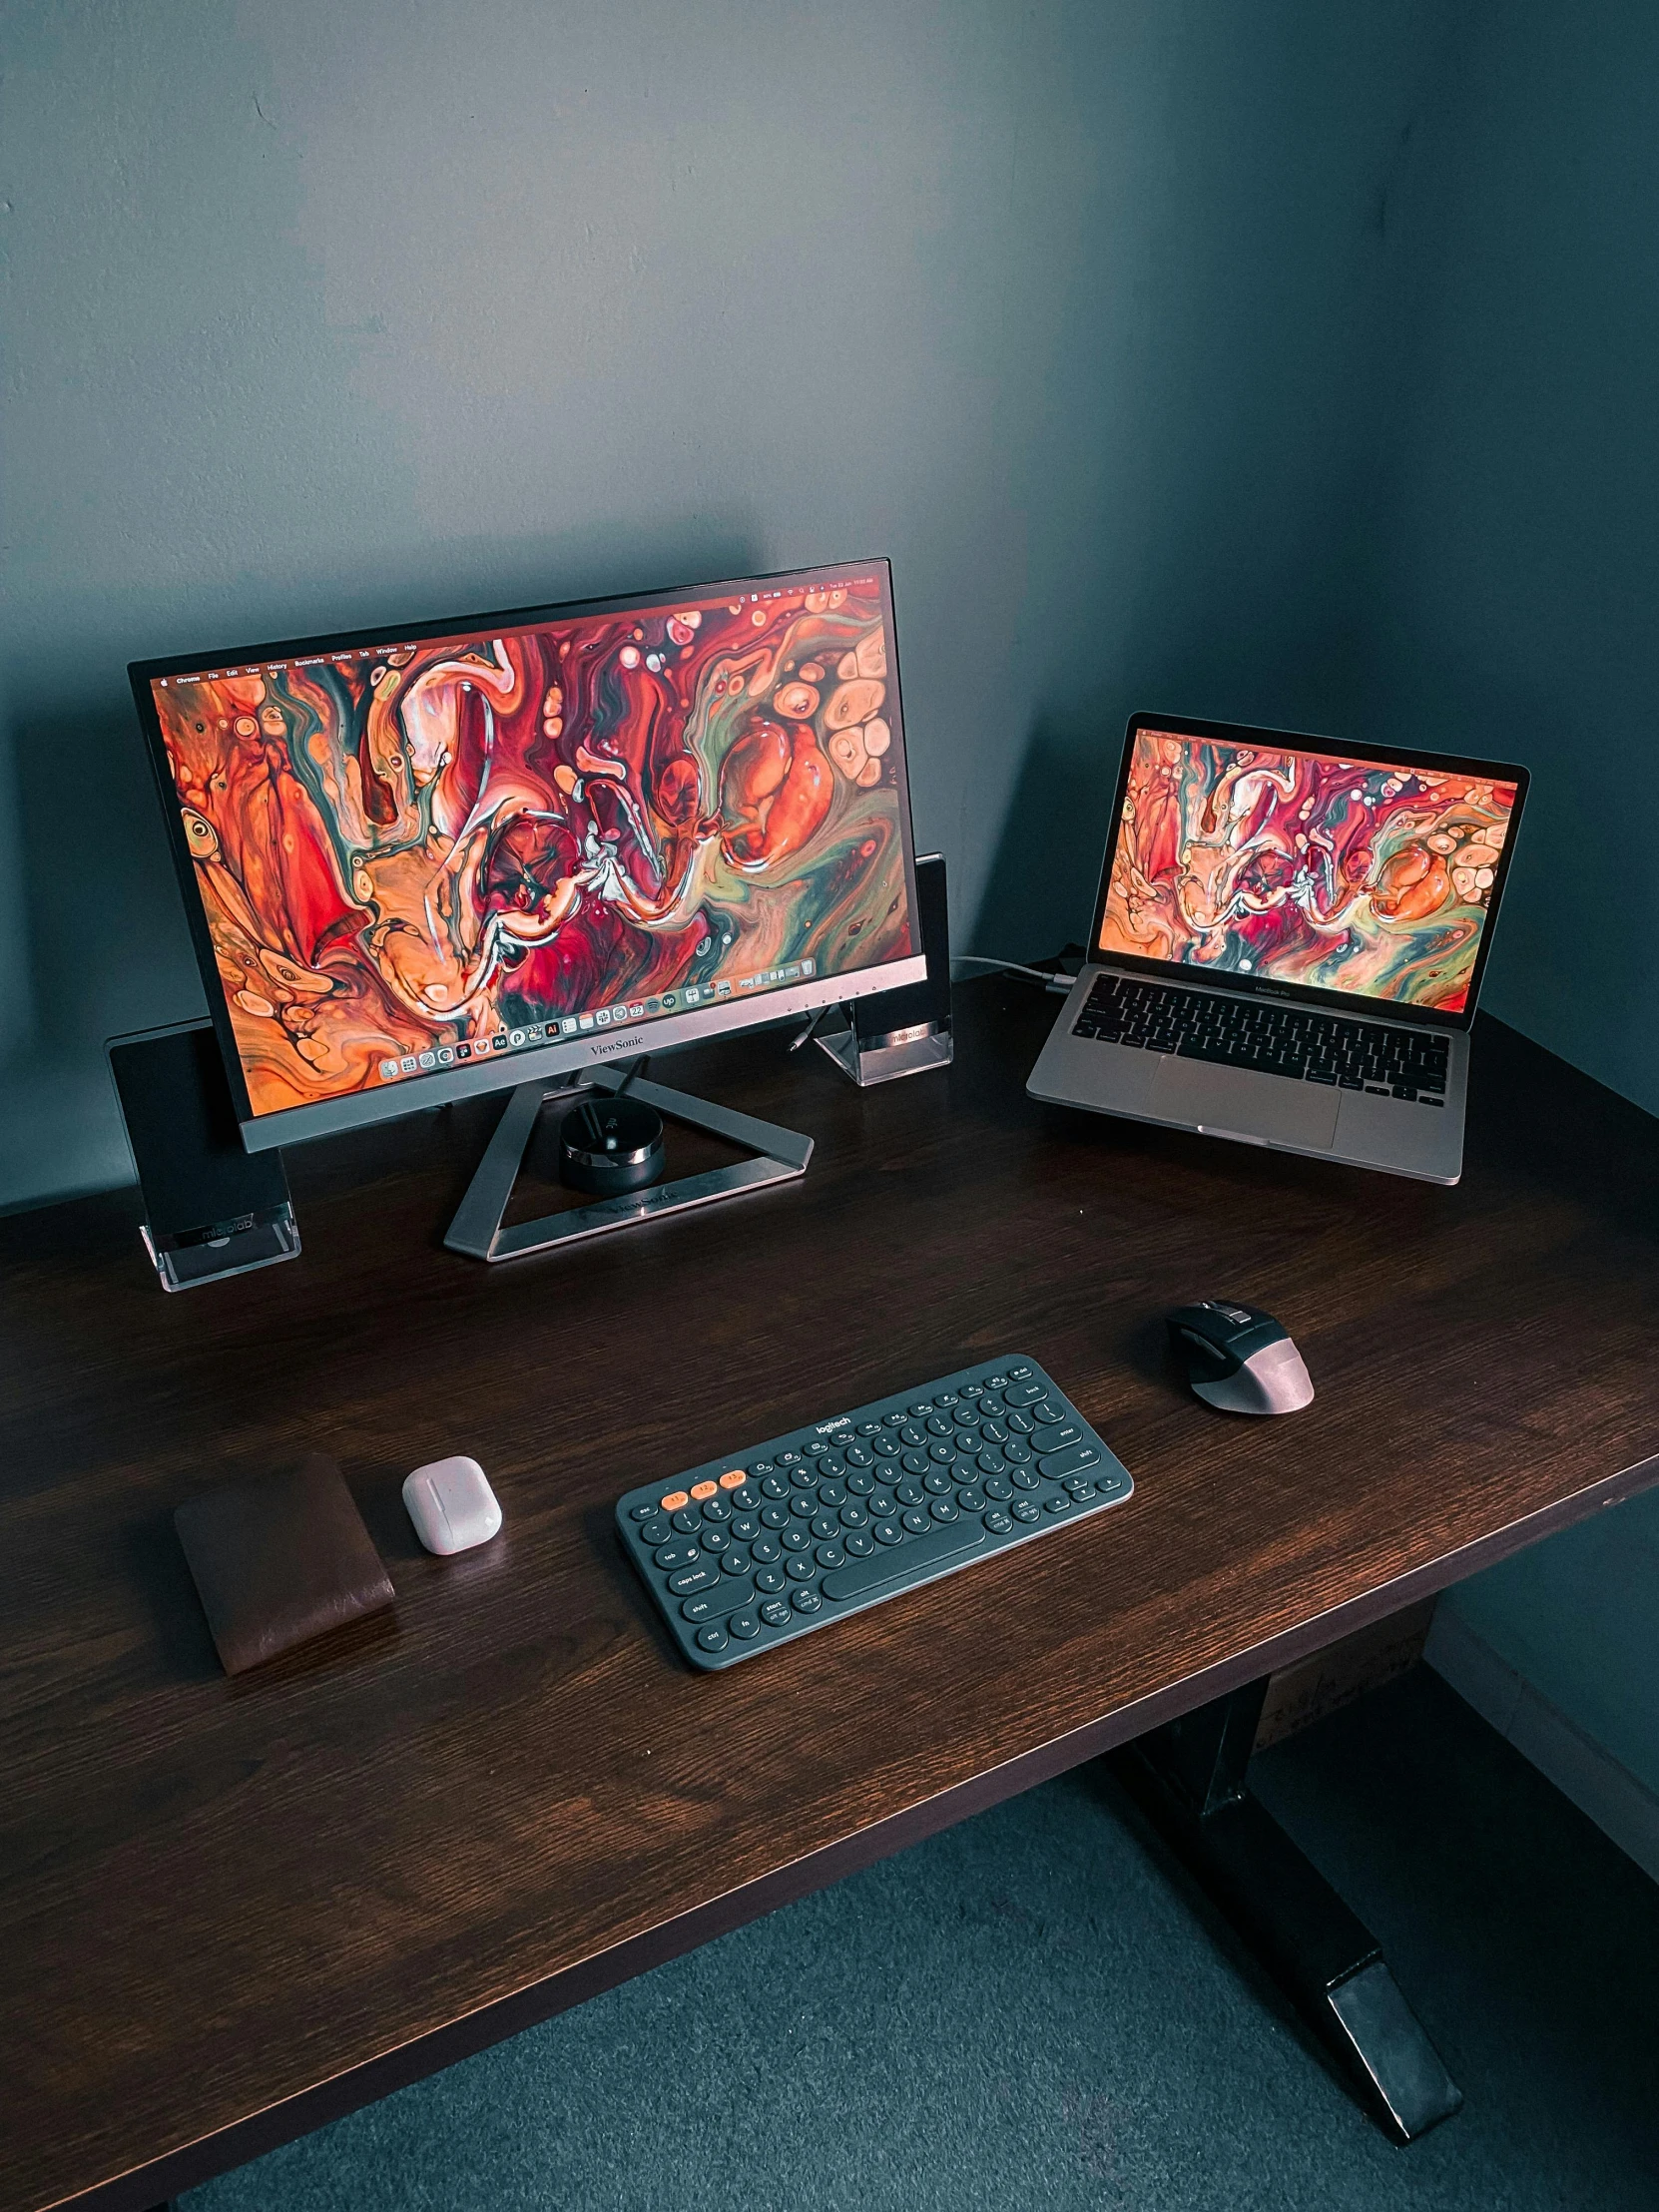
{"x":1358,"y":1004}
{"x":440,"y":1086}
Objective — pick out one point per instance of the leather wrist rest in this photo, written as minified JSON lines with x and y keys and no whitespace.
{"x":280,"y":1561}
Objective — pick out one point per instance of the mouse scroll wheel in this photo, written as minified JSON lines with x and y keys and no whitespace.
{"x":1213,"y":1351}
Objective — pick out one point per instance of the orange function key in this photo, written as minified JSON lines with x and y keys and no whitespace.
{"x":701,"y":1491}
{"x":674,"y":1500}
{"x":732,"y":1480}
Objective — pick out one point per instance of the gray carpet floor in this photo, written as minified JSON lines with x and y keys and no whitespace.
{"x":1034,"y":2010}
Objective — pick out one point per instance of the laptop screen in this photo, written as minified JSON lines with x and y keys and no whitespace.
{"x":1247,"y":856}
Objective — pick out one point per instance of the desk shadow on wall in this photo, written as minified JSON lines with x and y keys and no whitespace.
{"x":1040,"y":887}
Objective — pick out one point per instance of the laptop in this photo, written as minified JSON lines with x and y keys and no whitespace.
{"x":1287,"y":944}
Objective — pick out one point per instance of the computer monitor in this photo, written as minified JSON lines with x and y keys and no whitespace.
{"x":426,"y":860}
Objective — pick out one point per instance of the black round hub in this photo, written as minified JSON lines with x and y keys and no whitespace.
{"x":611,"y":1144}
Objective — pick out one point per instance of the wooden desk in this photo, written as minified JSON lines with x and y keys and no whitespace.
{"x":230,"y":1911}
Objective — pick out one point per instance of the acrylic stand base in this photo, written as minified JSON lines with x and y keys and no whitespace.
{"x":906,"y":1052}
{"x":779,"y":1156}
{"x":256,"y":1243}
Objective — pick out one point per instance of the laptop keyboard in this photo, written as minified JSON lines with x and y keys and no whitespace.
{"x":1273,"y":1039}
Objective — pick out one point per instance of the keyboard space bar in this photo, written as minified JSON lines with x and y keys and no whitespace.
{"x":1255,"y":1063}
{"x":903,"y":1561}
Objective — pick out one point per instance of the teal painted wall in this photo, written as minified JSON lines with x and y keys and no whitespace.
{"x":1513,"y":576}
{"x":318,"y":315}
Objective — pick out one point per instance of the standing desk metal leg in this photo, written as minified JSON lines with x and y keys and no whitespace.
{"x":1189,"y":1779}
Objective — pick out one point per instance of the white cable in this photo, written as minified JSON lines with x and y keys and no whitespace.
{"x":1013,"y":967}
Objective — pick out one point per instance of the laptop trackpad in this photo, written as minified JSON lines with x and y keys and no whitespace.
{"x":1241,"y":1103}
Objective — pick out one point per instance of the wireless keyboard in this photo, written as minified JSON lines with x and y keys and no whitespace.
{"x":748,"y":1552}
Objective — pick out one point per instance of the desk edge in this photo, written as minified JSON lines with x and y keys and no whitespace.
{"x":188,"y":2167}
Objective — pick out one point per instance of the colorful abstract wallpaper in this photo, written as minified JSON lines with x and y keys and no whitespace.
{"x":1304,"y":868}
{"x":408,"y":855}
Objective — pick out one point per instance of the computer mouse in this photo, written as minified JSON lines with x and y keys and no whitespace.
{"x":1239,"y":1358}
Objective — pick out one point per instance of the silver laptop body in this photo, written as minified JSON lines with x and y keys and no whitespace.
{"x":1320,"y":859}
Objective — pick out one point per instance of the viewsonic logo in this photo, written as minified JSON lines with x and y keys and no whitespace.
{"x":619,"y":1044}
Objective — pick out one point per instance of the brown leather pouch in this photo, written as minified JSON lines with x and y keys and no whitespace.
{"x":280,"y":1561}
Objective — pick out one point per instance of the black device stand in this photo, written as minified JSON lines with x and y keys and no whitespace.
{"x":904,"y":1031}
{"x":1188,"y":1777}
{"x":211,"y":1208}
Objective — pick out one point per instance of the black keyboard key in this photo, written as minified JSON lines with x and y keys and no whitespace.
{"x":894,"y":1566}
{"x":1058,"y":1464}
{"x":710,"y":1605}
{"x":690,"y":1580}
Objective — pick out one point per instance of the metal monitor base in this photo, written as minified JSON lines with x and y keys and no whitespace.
{"x":906,"y":1052}
{"x":780,"y":1156}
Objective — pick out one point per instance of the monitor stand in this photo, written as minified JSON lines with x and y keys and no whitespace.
{"x":779,"y":1156}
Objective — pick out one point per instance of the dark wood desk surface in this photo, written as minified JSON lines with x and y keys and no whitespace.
{"x":231,"y":1909}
